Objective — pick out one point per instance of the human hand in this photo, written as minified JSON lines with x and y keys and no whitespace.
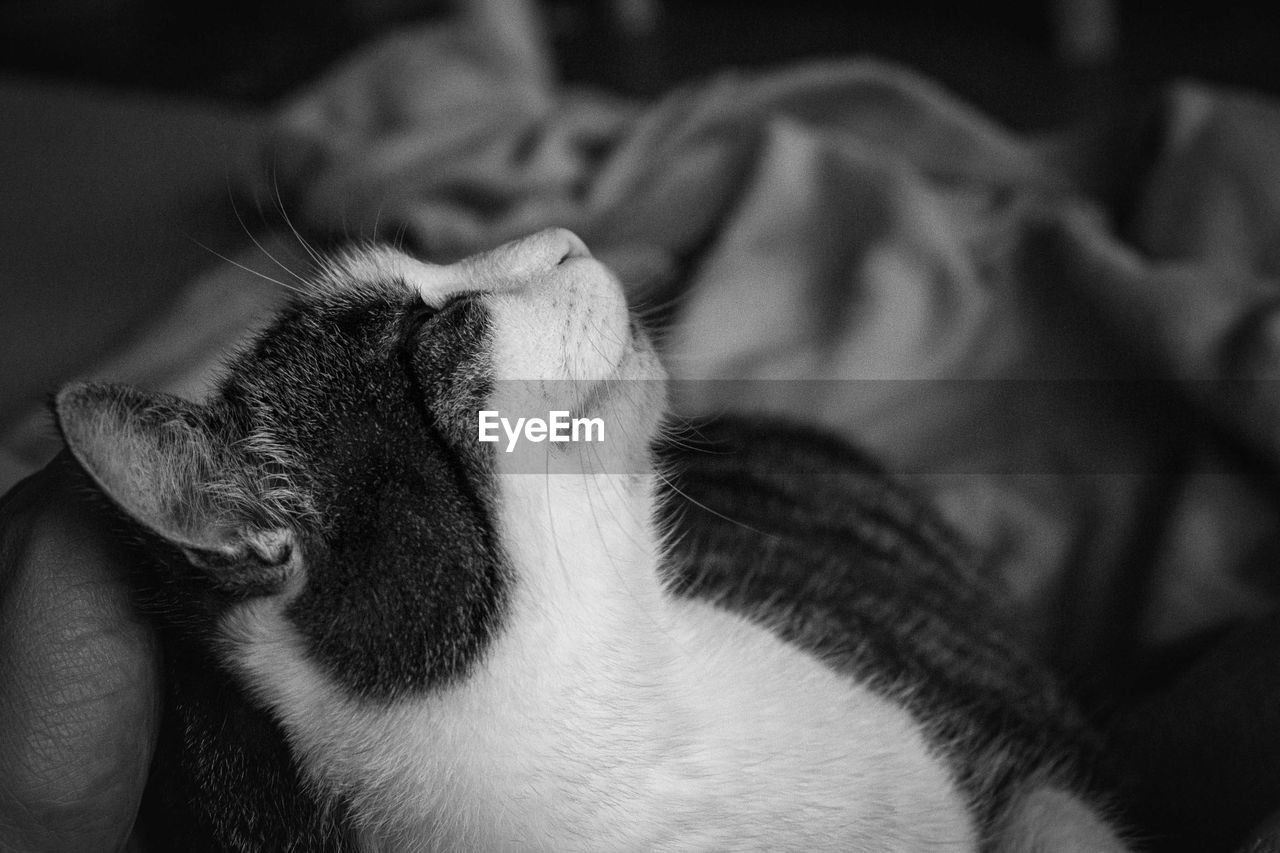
{"x":79,"y":673}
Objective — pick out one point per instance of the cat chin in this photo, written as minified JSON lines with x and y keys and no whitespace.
{"x":564,"y":342}
{"x":614,"y":420}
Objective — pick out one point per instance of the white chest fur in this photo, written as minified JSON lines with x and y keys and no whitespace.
{"x":609,"y":716}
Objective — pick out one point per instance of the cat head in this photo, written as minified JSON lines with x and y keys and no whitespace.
{"x":340,"y":463}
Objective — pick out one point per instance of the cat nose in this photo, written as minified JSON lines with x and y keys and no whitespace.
{"x":536,"y":254}
{"x":511,"y":266}
{"x":562,"y":244}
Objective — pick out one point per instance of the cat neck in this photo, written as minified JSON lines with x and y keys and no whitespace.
{"x":609,"y":714}
{"x":611,"y":708}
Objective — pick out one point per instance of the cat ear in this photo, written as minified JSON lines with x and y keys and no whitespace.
{"x":162,"y":460}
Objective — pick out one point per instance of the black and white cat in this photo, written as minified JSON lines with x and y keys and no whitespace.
{"x":384,"y":634}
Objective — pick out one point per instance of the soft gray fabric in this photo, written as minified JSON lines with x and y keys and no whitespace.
{"x":1067,"y":345}
{"x":1067,"y":341}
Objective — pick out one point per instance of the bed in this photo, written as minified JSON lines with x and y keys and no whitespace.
{"x":1068,"y":341}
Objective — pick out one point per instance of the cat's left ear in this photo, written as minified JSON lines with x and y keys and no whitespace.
{"x":168,"y":465}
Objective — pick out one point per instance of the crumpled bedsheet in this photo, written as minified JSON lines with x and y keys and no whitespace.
{"x":1068,"y":341}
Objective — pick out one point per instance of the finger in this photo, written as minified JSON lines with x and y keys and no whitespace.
{"x":79,"y":679}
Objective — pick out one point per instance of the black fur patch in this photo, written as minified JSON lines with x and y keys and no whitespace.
{"x":404,"y":580}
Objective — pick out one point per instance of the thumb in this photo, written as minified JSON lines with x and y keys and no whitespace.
{"x":79,"y":682}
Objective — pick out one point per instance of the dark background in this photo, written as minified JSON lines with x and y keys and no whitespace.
{"x":1007,"y":57}
{"x":125,"y":123}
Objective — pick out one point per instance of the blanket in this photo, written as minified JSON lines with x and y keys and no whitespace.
{"x":1067,"y":341}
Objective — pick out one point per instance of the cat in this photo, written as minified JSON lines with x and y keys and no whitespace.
{"x":382,"y":633}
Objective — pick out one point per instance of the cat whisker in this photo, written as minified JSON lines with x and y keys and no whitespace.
{"x":398,"y":239}
{"x":377,"y":218}
{"x":706,"y":508}
{"x":315,"y":256}
{"x":645,"y":309}
{"x":588,"y":481}
{"x":567,"y":576}
{"x":290,"y":287}
{"x":248,"y":233}
{"x":675,"y":428}
{"x":649,"y":616}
